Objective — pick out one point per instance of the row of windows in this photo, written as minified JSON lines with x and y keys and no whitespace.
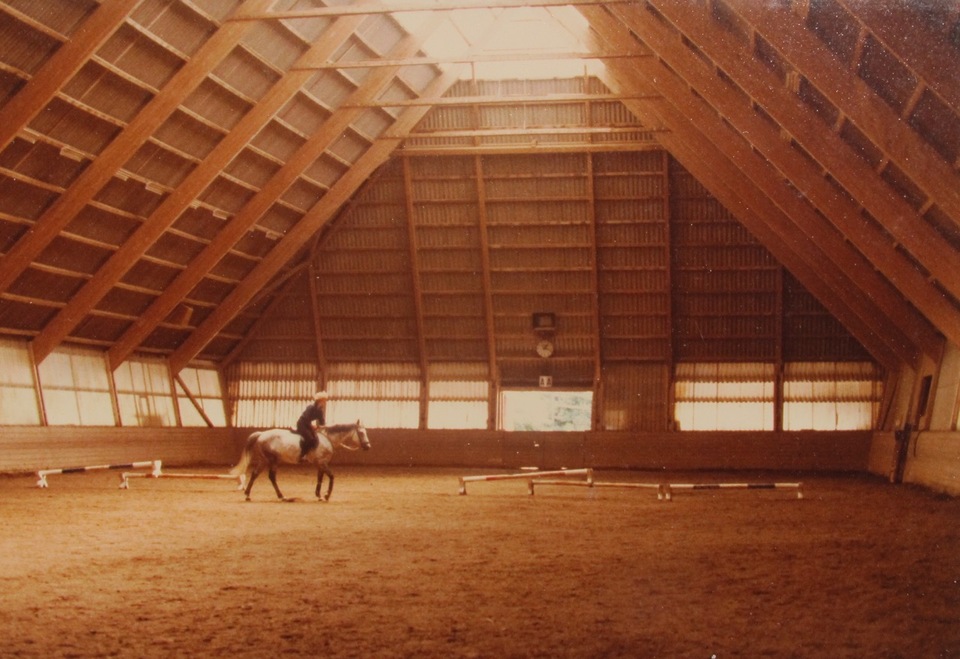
{"x":76,"y":388}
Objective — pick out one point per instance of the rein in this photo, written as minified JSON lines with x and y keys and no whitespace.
{"x":355,"y":434}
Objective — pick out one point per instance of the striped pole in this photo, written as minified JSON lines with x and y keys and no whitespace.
{"x":530,"y":475}
{"x":669,"y":487}
{"x":637,"y":486}
{"x":125,"y":476}
{"x":155,"y":465}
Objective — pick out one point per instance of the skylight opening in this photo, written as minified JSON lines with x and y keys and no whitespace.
{"x":520,"y":43}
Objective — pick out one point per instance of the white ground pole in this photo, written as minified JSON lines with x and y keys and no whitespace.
{"x":591,"y":483}
{"x":528,"y":476}
{"x":154,"y":465}
{"x":669,"y":487}
{"x":125,"y":476}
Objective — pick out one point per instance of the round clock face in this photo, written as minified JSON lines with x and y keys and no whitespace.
{"x":545,"y":348}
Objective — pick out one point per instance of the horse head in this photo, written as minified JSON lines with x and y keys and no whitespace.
{"x":362,"y":435}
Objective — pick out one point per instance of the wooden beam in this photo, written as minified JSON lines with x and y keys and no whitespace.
{"x":505,"y":56}
{"x":61,"y":67}
{"x":415,"y":281}
{"x":804,"y":175}
{"x":183,"y":195}
{"x":488,"y":316}
{"x":411,"y":150}
{"x":301,"y":232}
{"x":688,"y":142}
{"x":927,"y":54}
{"x":508,"y":100}
{"x":123,"y":147}
{"x":372,"y":8}
{"x":330,"y":131}
{"x":852,"y":96}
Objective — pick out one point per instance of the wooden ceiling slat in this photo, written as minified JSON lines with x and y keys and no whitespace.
{"x":926,"y":53}
{"x":61,"y":67}
{"x":843,"y":212}
{"x":329,"y":132}
{"x":120,"y":150}
{"x":787,"y":33}
{"x":826,"y":147}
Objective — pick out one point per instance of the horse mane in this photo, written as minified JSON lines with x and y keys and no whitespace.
{"x":341,"y":427}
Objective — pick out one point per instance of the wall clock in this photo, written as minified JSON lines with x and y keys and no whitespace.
{"x":545,"y":348}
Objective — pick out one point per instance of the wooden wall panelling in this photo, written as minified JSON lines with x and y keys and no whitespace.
{"x":800,"y":242}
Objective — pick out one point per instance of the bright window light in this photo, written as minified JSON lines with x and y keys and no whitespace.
{"x":523,"y":37}
{"x":545,"y":410}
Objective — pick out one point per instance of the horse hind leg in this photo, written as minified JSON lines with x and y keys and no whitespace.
{"x":253,"y":476}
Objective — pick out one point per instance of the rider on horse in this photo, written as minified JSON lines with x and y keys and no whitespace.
{"x":314,"y":412}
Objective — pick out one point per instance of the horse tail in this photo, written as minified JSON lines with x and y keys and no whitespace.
{"x":241,"y":467}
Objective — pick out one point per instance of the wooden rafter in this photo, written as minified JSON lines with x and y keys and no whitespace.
{"x":373,"y":8}
{"x":927,"y":54}
{"x":688,"y":141}
{"x":61,"y":67}
{"x":187,"y":191}
{"x":300,"y":160}
{"x":321,"y":213}
{"x":123,"y":147}
{"x":787,"y":33}
{"x":315,"y":219}
{"x":415,"y":280}
{"x":804,"y":176}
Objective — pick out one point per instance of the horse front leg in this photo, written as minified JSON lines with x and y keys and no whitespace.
{"x":273,"y":479}
{"x":326,"y":470}
{"x":319,"y":482}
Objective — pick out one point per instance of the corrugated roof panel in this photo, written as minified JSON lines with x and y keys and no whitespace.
{"x":304,"y":114}
{"x":174,"y":23}
{"x":187,"y":134}
{"x":216,"y":105}
{"x":107,"y":92}
{"x":140,"y":57}
{"x":243,"y":72}
{"x":72,"y":126}
{"x":160,"y":165}
{"x":277,"y":140}
{"x":274,"y":43}
{"x":20,"y":199}
{"x":22,"y":47}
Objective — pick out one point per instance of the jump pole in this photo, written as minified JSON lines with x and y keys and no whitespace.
{"x":125,"y":476}
{"x":529,"y":476}
{"x":154,"y":465}
{"x":669,"y":487}
{"x":637,"y":486}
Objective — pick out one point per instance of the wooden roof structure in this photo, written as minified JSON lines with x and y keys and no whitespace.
{"x":167,"y":167}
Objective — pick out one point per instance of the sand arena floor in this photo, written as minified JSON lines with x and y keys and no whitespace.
{"x":398,"y":565}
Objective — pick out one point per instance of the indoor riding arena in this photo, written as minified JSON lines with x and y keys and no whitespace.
{"x":514,"y":328}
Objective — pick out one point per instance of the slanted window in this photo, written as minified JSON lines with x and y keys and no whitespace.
{"x":724,"y":396}
{"x":831,"y":395}
{"x":76,"y":388}
{"x":204,"y":385}
{"x":145,"y":393}
{"x":18,"y":393}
